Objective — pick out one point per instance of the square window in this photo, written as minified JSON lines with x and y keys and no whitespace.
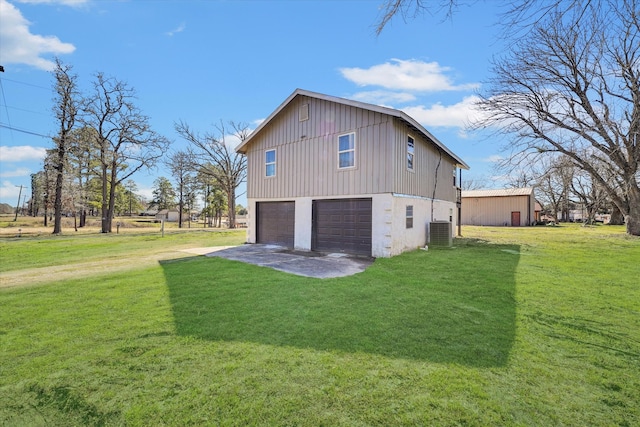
{"x":270,"y":163}
{"x":410,"y":152}
{"x":409,"y":217}
{"x":347,"y":150}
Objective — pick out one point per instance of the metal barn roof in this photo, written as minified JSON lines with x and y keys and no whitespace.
{"x":506,"y":192}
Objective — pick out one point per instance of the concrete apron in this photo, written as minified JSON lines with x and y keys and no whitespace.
{"x":301,"y":263}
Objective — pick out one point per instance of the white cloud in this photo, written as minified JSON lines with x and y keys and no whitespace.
{"x":21,"y":153}
{"x":409,"y":75}
{"x":180,"y":28}
{"x":383,"y":97}
{"x":9,"y":191}
{"x":19,"y":46}
{"x":456,"y":115}
{"x":494,"y":158}
{"x":15,"y":173}
{"x":145,"y":191}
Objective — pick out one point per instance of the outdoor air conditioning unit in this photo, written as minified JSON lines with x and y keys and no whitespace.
{"x":440,"y":233}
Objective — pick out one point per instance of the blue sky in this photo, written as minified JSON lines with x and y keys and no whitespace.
{"x":206,"y":61}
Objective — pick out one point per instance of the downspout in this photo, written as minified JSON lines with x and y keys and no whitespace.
{"x":459,"y":203}
{"x":435,"y":184}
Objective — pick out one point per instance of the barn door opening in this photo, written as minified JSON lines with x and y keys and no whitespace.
{"x":515,"y":219}
{"x":342,"y":225}
{"x":276,"y":223}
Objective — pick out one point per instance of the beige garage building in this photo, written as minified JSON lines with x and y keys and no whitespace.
{"x":513,"y":207}
{"x":329,"y":174}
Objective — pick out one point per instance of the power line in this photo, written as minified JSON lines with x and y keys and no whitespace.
{"x":25,"y":110}
{"x":26,"y":84}
{"x":5,"y":102}
{"x":2,"y":125}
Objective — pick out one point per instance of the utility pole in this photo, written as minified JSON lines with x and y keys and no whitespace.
{"x":18,"y":205}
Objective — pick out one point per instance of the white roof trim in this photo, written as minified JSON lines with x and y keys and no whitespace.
{"x":371,"y":107}
{"x":506,"y":192}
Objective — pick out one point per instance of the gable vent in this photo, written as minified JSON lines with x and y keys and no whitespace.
{"x":303,"y":112}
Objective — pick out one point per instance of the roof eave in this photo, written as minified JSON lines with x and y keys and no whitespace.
{"x":242,"y":148}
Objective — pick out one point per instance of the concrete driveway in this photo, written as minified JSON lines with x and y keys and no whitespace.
{"x":302,"y":263}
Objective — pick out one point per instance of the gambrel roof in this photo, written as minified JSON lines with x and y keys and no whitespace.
{"x":242,"y":148}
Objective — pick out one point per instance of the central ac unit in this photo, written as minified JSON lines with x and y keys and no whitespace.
{"x":440,"y":233}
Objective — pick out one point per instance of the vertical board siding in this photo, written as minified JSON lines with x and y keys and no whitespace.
{"x":495,"y":211}
{"x":307,"y":155}
{"x":307,"y":152}
{"x":421,"y":181}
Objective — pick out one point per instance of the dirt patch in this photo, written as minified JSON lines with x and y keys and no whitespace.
{"x":37,"y":276}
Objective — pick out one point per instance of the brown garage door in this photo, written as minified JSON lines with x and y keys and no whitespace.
{"x":275,"y":223}
{"x":342,"y":225}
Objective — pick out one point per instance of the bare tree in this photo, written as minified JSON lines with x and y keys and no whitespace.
{"x":572,"y":86}
{"x":65,"y":110}
{"x":589,"y":193}
{"x":554,"y":176}
{"x":409,"y":9}
{"x":124,"y":138}
{"x":218,"y":159}
{"x":473,"y":184}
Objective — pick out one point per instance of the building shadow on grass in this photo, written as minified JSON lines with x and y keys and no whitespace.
{"x":454,"y":305}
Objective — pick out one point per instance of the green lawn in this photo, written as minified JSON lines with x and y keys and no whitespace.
{"x":527,"y":326}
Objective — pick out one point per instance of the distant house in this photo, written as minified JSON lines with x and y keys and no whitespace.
{"x":169,"y":215}
{"x":513,"y":207}
{"x":149,"y":212}
{"x":329,"y":174}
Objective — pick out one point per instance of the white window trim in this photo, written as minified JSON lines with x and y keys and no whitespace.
{"x":303,"y":112}
{"x":407,"y":216}
{"x":355,"y":145}
{"x":274,"y":163}
{"x":406,"y":159}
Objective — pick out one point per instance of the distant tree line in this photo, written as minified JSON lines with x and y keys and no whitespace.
{"x":103,"y":139}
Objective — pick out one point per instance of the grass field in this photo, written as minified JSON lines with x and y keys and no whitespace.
{"x":526,"y":326}
{"x":26,"y":226}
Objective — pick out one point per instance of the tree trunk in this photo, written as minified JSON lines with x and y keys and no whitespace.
{"x":632,"y":218}
{"x":57,"y":202}
{"x":112,"y":200}
{"x":616,"y":216}
{"x":231,"y":203}
{"x":57,"y":206}
{"x":105,"y":200}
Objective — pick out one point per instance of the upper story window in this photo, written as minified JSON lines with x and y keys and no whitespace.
{"x":410,"y":152}
{"x":270,"y":163}
{"x":347,"y":150}
{"x":454,"y":178}
{"x":303,"y":112}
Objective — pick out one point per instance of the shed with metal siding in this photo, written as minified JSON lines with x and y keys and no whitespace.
{"x":506,"y":207}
